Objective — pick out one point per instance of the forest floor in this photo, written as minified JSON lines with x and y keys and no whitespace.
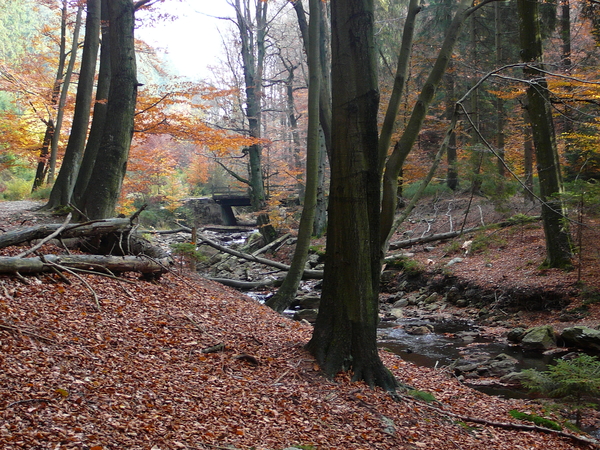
{"x":185,"y":363}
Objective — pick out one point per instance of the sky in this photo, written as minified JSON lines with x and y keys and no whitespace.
{"x":192,"y":41}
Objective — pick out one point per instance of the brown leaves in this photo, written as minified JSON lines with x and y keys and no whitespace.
{"x":135,"y":376}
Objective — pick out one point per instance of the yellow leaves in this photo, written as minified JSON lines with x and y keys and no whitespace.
{"x":62,"y":392}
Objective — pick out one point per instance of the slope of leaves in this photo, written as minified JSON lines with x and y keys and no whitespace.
{"x":134,"y":375}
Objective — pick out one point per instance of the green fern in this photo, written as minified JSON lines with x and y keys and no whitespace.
{"x":570,"y":380}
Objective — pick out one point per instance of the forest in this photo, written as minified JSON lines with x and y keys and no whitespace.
{"x":338,"y":120}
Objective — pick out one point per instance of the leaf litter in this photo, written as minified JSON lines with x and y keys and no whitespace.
{"x":185,"y":363}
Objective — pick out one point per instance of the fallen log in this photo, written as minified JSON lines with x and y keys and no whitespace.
{"x":247,"y":285}
{"x":271,"y":246}
{"x":114,"y":264}
{"x":267,"y":262}
{"x":87,"y":229}
{"x":452,"y":234}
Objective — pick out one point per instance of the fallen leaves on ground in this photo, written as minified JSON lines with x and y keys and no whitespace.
{"x":134,"y":376}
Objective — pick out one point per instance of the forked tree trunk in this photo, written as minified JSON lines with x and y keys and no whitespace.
{"x":63,"y":187}
{"x":345,"y":333}
{"x":105,"y":182}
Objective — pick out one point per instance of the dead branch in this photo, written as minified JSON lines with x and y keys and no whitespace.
{"x":452,"y":234}
{"x":47,"y":238}
{"x":307,"y":273}
{"x":506,"y":425}
{"x":269,"y":246}
{"x":28,"y":333}
{"x":247,"y":285}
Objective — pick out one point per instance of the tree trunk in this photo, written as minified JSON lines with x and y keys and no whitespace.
{"x":385,"y":137}
{"x":500,"y":140}
{"x":98,"y":228}
{"x":452,"y":156}
{"x":556,"y":229}
{"x":64,"y":91}
{"x":63,"y":187}
{"x":321,"y":209}
{"x":253,"y":54}
{"x":287,"y":292}
{"x":42,"y":166}
{"x":413,"y":127}
{"x":345,"y":333}
{"x":105,"y":182}
{"x":43,"y":160}
{"x":528,"y":156}
{"x":99,"y":115}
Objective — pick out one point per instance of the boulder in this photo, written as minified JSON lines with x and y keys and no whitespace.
{"x":501,"y":365}
{"x":582,"y":337}
{"x":310,"y":301}
{"x":418,"y":330}
{"x":497,"y":366}
{"x":310,"y":315}
{"x":397,"y":313}
{"x":515,"y":379}
{"x":539,"y":338}
{"x":516,"y":334}
{"x":400,"y":303}
{"x":434,"y":297}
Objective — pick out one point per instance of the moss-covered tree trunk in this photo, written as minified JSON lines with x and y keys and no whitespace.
{"x":104,"y":186}
{"x":344,"y":336}
{"x":63,"y":187}
{"x":556,"y":230}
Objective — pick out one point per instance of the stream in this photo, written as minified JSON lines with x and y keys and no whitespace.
{"x":449,"y":341}
{"x":444,"y":341}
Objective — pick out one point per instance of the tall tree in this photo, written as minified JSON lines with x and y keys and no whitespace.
{"x":287,"y":291}
{"x":99,"y":114}
{"x":64,"y":91}
{"x":556,"y":230}
{"x":344,"y":336}
{"x":104,"y":186}
{"x":63,"y":187}
{"x":43,"y":163}
{"x":253,"y":56}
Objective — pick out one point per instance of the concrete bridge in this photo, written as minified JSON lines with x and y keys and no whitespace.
{"x":226,"y":198}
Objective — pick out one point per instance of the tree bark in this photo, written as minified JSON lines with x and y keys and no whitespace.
{"x":287,"y":291}
{"x":63,"y":187}
{"x":105,"y":182}
{"x":345,"y":333}
{"x":64,"y":91}
{"x":556,"y":229}
{"x":99,"y":115}
{"x":98,"y":228}
{"x":115,"y":264}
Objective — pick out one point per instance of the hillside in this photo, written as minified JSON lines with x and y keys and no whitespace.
{"x":184,"y":363}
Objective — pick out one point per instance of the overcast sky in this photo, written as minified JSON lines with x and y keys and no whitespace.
{"x":192,"y":41}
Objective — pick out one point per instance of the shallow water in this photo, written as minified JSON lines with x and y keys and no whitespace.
{"x":450,"y":341}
